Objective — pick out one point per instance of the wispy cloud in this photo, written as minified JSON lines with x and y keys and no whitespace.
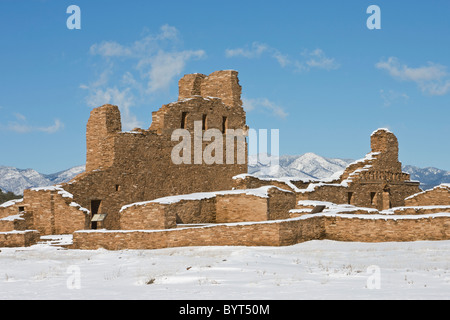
{"x":317,"y":59}
{"x":264,"y":105}
{"x":156,"y":60}
{"x":390,"y":96}
{"x":307,"y":60}
{"x":254,"y":51}
{"x":432,"y":78}
{"x":21,"y":125}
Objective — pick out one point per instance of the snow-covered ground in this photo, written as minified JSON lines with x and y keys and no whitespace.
{"x":311,"y":270}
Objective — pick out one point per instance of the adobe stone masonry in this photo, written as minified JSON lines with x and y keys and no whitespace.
{"x":127,"y":167}
{"x":133,"y":196}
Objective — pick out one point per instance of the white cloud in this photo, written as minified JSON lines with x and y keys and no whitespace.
{"x":389,"y":97}
{"x":311,"y":59}
{"x":151,"y":64}
{"x":254,"y":51}
{"x":20,"y":125}
{"x":165,"y":66}
{"x":432,"y":78}
{"x":318,"y":59}
{"x":122,"y":98}
{"x":53,"y":128}
{"x":264,"y":105}
{"x":109,"y":49}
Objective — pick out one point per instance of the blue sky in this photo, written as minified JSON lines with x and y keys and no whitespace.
{"x":311,"y":69}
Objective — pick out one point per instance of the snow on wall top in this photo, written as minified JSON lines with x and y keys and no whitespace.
{"x":445,"y":186}
{"x":262,"y":192}
{"x":10,"y":203}
{"x":58,"y":188}
{"x":381,"y":129}
{"x":286,"y":180}
{"x":330,"y":213}
{"x":63,"y":194}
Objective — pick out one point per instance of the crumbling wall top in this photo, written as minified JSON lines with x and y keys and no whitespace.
{"x":222,"y":84}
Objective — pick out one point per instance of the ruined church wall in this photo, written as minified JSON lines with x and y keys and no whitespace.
{"x":436,"y":196}
{"x":274,"y":233}
{"x":135,"y":166}
{"x":280,"y":203}
{"x":19,"y":238}
{"x":389,"y":229}
{"x":143,"y":171}
{"x":151,"y":216}
{"x":241,"y":207}
{"x":50,"y":213}
{"x":222,"y":84}
{"x":329,"y":193}
{"x":251,"y":182}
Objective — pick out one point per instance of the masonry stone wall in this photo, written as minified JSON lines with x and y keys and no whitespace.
{"x":15,"y":222}
{"x":19,"y":238}
{"x":247,"y":181}
{"x":275,"y":233}
{"x":384,"y":230}
{"x":268,"y":203}
{"x":439,"y":195}
{"x":151,"y":216}
{"x":52,"y":213}
{"x":222,"y":84}
{"x":249,"y":235}
{"x":376,"y":181}
{"x":241,"y":207}
{"x":136,"y":166}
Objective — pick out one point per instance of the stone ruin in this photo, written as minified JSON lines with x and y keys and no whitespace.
{"x":133,"y":196}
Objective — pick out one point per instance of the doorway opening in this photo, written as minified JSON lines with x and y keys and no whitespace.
{"x":95,"y":208}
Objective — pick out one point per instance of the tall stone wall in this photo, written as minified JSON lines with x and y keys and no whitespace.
{"x":221,"y":84}
{"x":136,"y":166}
{"x":376,"y":181}
{"x":151,"y":216}
{"x":100,"y":129}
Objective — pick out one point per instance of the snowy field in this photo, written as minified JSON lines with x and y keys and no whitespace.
{"x":310,"y":270}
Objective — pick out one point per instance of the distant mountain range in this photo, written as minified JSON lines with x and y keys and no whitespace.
{"x":16,"y":180}
{"x":313,"y":166}
{"x":306,"y":166}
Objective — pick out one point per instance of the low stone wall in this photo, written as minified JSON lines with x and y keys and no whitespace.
{"x":340,"y":227}
{"x":418,"y":210}
{"x":148,"y":216}
{"x":15,"y":222}
{"x":217,"y":235}
{"x":383,"y":229}
{"x":19,"y":238}
{"x":439,"y":195}
{"x":52,"y":211}
{"x":243,"y":205}
{"x":10,"y":208}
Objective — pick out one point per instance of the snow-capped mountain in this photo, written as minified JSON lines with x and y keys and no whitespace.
{"x":313,"y":166}
{"x":429,"y":177}
{"x":307,"y":166}
{"x":16,"y":180}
